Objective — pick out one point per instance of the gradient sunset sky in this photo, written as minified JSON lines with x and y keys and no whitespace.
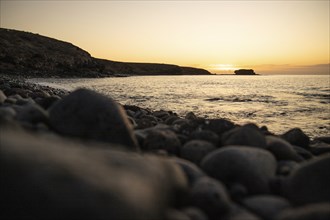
{"x":268,"y":36}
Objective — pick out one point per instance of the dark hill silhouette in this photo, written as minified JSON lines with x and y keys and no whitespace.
{"x":27,"y":54}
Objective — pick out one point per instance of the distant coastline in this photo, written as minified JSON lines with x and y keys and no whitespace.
{"x":32,"y":55}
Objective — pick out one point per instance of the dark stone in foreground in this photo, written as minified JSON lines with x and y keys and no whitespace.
{"x":210,"y":196}
{"x":297,"y":137}
{"x":192,"y":172}
{"x":310,"y":182}
{"x":195,"y":150}
{"x":282,"y":149}
{"x":87,"y":114}
{"x":248,"y":135}
{"x":47,"y":177}
{"x":218,"y":126}
{"x":252,"y":167}
{"x":162,"y":139}
{"x":55,"y":179}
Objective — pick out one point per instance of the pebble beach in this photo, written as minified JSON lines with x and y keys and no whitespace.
{"x":82,"y":155}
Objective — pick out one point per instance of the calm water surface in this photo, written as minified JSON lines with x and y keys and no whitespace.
{"x":279,"y":102}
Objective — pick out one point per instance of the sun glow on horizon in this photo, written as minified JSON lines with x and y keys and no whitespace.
{"x":220,"y":36}
{"x":222,"y":68}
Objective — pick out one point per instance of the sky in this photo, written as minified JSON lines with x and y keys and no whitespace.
{"x":221,"y":36}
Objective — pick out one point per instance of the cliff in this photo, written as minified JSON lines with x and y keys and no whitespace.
{"x":28,"y":54}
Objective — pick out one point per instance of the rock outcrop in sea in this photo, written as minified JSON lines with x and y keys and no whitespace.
{"x":245,"y":72}
{"x":27,"y":54}
{"x":81,"y":155}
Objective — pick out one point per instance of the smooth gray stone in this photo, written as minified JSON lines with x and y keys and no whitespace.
{"x":192,"y":172}
{"x":47,"y":102}
{"x":171,"y":119}
{"x":320,"y":148}
{"x":266,"y":206}
{"x":210,"y":196}
{"x":162,"y":139}
{"x":90,"y":115}
{"x":7,"y":112}
{"x":297,"y":137}
{"x":191,"y":116}
{"x":16,"y":97}
{"x":25,"y":101}
{"x":325,"y":139}
{"x":247,"y":135}
{"x":281,"y":149}
{"x":51,"y":178}
{"x":205,"y":135}
{"x":303,"y":153}
{"x":309,"y":182}
{"x":317,"y":211}
{"x":253,"y":167}
{"x":10,"y":100}
{"x":32,"y":113}
{"x":218,"y":126}
{"x":196,"y":150}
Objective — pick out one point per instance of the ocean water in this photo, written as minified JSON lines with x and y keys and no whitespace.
{"x":280,"y":102}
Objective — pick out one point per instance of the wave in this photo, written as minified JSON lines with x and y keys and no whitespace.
{"x":249,"y":98}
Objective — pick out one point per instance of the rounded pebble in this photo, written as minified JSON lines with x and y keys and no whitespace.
{"x":196,"y":150}
{"x":252,"y":167}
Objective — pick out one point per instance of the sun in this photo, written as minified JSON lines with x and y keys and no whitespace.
{"x":222,"y":68}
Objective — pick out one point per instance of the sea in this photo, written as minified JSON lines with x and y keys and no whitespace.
{"x":280,"y":102}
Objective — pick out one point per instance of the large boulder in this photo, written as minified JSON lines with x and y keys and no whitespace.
{"x":310,"y":182}
{"x":249,"y":166}
{"x":49,"y":178}
{"x":297,"y":137}
{"x":282,"y":149}
{"x":248,"y":135}
{"x":87,"y":114}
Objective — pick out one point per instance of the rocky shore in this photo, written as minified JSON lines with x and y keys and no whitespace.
{"x":81,"y":155}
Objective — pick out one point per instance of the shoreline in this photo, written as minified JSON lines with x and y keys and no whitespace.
{"x":22,"y":86}
{"x":90,"y":156}
{"x":263,"y":108}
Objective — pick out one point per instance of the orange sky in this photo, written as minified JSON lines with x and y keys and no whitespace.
{"x":269,"y":36}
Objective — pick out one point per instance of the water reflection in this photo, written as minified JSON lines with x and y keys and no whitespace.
{"x":280,"y":102}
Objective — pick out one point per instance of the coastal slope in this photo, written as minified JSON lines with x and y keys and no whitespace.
{"x":27,"y":54}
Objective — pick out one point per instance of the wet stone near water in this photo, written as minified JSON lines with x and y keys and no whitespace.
{"x":90,"y":157}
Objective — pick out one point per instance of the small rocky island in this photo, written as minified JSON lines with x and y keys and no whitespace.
{"x":245,"y":72}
